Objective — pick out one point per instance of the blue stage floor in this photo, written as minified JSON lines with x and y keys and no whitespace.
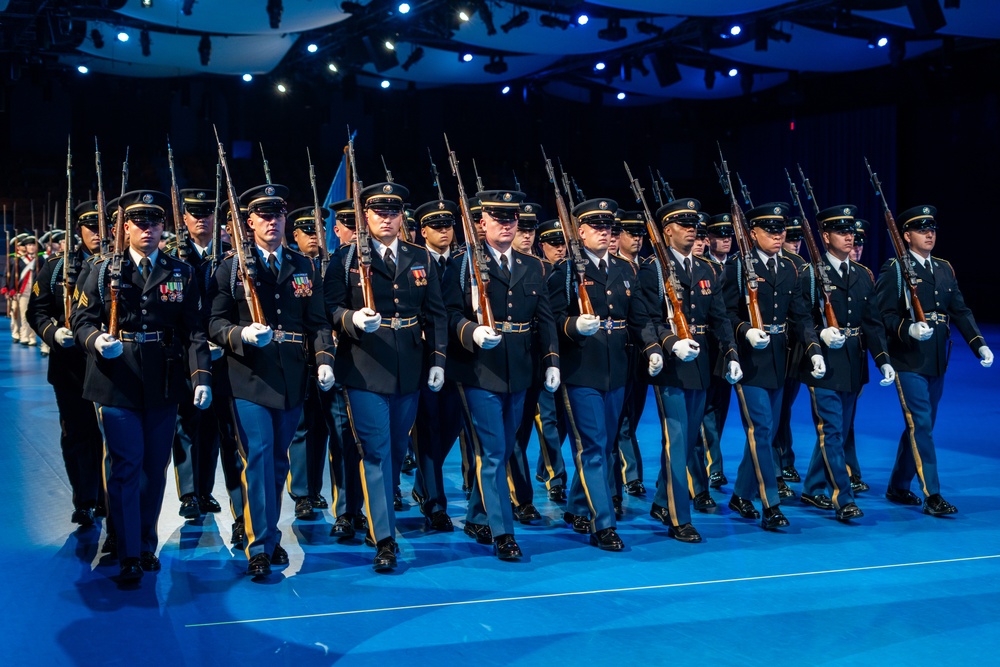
{"x":896,"y":586}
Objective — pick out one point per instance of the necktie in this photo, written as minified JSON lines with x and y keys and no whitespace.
{"x":390,"y":264}
{"x":442,"y":262}
{"x":772,"y":267}
{"x":272,"y":263}
{"x":687,"y":267}
{"x":603,"y":266}
{"x":504,"y":267}
{"x":144,"y":269}
{"x":843,"y":270}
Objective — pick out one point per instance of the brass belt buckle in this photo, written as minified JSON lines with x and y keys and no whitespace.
{"x":279,"y":336}
{"x":507,"y":328}
{"x":140,"y":337}
{"x":608,"y":325}
{"x":396,"y":323}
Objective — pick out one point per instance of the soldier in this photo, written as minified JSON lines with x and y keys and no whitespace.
{"x":700,"y":247}
{"x":763,"y":356}
{"x":858,"y":485}
{"x":860,"y":234}
{"x":919,"y":352}
{"x":527,"y":227}
{"x":593,"y":356}
{"x":137,"y":378}
{"x":80,"y":437}
{"x":267,"y":362}
{"x":551,"y":241}
{"x":380,"y":360}
{"x":834,"y":396}
{"x":29,"y":264}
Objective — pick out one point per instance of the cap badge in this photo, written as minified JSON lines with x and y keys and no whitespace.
{"x":440,"y":205}
{"x":558,"y":225}
{"x":528,"y":209}
{"x":777,"y":210}
{"x":269,"y":191}
{"x":847,"y":211}
{"x":926,"y":210}
{"x":200,"y":195}
{"x":690,"y":204}
{"x":507,"y":196}
{"x":603,"y":205}
{"x":387,"y":189}
{"x":147,"y":198}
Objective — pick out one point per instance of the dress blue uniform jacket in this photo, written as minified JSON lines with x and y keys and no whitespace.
{"x":46,"y":313}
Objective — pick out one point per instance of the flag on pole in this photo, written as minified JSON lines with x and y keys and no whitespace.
{"x":337,"y":192}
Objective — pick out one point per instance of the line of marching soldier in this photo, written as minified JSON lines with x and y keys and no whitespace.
{"x":328,"y":380}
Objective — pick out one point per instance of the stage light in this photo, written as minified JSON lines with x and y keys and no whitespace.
{"x":614,"y":32}
{"x":583,"y":19}
{"x":352,"y":7}
{"x":82,"y":69}
{"x":404,"y":8}
{"x":97,"y":38}
{"x":413,"y":58}
{"x":735,"y":29}
{"x":600,"y":67}
{"x":187,"y":7}
{"x":516,"y":21}
{"x":621,"y":96}
{"x":486,"y":14}
{"x":647,"y":28}
{"x":549,"y":21}
{"x":496,"y":65}
{"x":281,"y":88}
{"x":274,"y":10}
{"x":123,"y":36}
{"x":709,"y":79}
{"x":147,"y":3}
{"x":882,"y":41}
{"x":332,"y":68}
{"x":385,"y":83}
{"x":205,"y":49}
{"x":733,"y":72}
{"x":463,"y":16}
{"x":871,"y":43}
{"x":389,"y":45}
{"x":312,"y":48}
{"x":505,"y":90}
{"x":144,"y":42}
{"x":467,"y":58}
{"x":248,"y":77}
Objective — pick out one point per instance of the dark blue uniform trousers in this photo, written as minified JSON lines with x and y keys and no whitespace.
{"x":919,"y":396}
{"x":784,"y":455}
{"x":592,"y":416}
{"x":518,"y":469}
{"x":680,"y":417}
{"x":550,"y":423}
{"x":833,"y":414}
{"x":138,"y":451}
{"x":196,"y":449}
{"x":629,"y":466}
{"x":345,"y":460}
{"x":263,"y":435}
{"x":382,"y":424}
{"x":82,"y":447}
{"x":307,"y":453}
{"x":437,"y":428}
{"x":709,"y":445}
{"x":759,"y":409}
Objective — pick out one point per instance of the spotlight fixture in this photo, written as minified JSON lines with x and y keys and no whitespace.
{"x":733,"y":72}
{"x":248,"y":77}
{"x":496,"y":65}
{"x":600,"y":67}
{"x":414,"y":57}
{"x":144,"y":42}
{"x":486,"y":14}
{"x":735,"y":29}
{"x":647,"y":28}
{"x":746,"y":82}
{"x":463,"y":16}
{"x":147,"y":3}
{"x":665,"y":68}
{"x":709,"y":79}
{"x":516,"y":21}
{"x":82,"y":69}
{"x":122,"y":36}
{"x":385,"y":83}
{"x":389,"y":45}
{"x":638,"y":64}
{"x":621,"y":96}
{"x":466,"y":58}
{"x":97,"y":38}
{"x":550,"y":21}
{"x":582,"y":19}
{"x":275,"y":8}
{"x":614,"y":32}
{"x":332,"y":67}
{"x":882,"y":41}
{"x":187,"y":7}
{"x":403,"y":8}
{"x":505,"y":90}
{"x":205,"y":49}
{"x":312,"y":48}
{"x":281,"y":88}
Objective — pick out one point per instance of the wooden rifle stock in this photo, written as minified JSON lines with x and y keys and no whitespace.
{"x":180,"y":230}
{"x":361,"y":230}
{"x":815,"y":256}
{"x":118,"y":254}
{"x":573,"y":252}
{"x":102,"y":217}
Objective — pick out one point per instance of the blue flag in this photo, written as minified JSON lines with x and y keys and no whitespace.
{"x":337,"y":192}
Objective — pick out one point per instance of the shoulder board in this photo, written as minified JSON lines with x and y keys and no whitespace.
{"x":870,"y":274}
{"x":412,"y":245}
{"x":786,"y":253}
{"x":525,"y":255}
{"x":710,"y":262}
{"x":230,"y":253}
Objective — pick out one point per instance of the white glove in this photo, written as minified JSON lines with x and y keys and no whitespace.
{"x":920,"y":330}
{"x":985,"y":357}
{"x":108,"y":347}
{"x":485,"y":337}
{"x":202,"y":396}
{"x":366,"y":319}
{"x":324,"y":376}
{"x":888,"y":375}
{"x":833,"y":338}
{"x":735,"y":372}
{"x":64,"y":337}
{"x":257,"y":334}
{"x":215,"y":350}
{"x":819,"y":366}
{"x":435,"y":380}
{"x":758,"y":338}
{"x":552,"y":379}
{"x":656,"y":363}
{"x":686,"y":349}
{"x":588,"y":325}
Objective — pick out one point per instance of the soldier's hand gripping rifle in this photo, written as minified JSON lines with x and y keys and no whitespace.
{"x":180,"y":229}
{"x":903,"y":257}
{"x":671,"y":288}
{"x":361,"y":231}
{"x":743,"y":242}
{"x":478,"y":268}
{"x":324,"y":252}
{"x":573,"y":251}
{"x":242,"y":242}
{"x":102,"y":217}
{"x":815,"y":256}
{"x":118,"y":254}
{"x":69,"y":268}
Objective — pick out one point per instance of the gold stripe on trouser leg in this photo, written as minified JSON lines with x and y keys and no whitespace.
{"x":543,"y":446}
{"x":753,"y":446}
{"x":578,"y":455}
{"x":690,"y":481}
{"x":241,"y":450}
{"x":105,"y":459}
{"x":333,"y":482}
{"x":510,"y":486}
{"x":361,"y":465}
{"x":477,"y":447}
{"x":624,"y":465}
{"x":821,"y":443}
{"x":671,"y":506}
{"x":911,"y":430}
{"x":463,"y":448}
{"x":707,"y":449}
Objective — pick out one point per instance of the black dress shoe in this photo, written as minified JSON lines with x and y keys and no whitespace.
{"x":343,"y":527}
{"x":580,"y":523}
{"x":526,"y":513}
{"x":397,"y":501}
{"x":660,"y":513}
{"x":100,"y":510}
{"x":790,"y":474}
{"x":418,"y":499}
{"x":773,"y":519}
{"x":616,"y":504}
{"x":607,"y":540}
{"x":369,"y":540}
{"x":819,"y":501}
{"x":130,"y":571}
{"x":83,"y":516}
{"x":440,"y":521}
{"x":208,"y":504}
{"x":110,"y":546}
{"x":239,"y":538}
{"x":505,"y":548}
{"x":635,"y":488}
{"x":279,"y":556}
{"x":259,"y":566}
{"x":360,"y":522}
{"x":385,"y":558}
{"x":717,"y":479}
{"x":557,"y":493}
{"x":902,"y":497}
{"x":149,"y":562}
{"x":744,"y":507}
{"x":848,"y":512}
{"x":189,"y":507}
{"x":684,"y":533}
{"x":783,"y":490}
{"x":938,"y":506}
{"x":409,"y":464}
{"x":858,"y":485}
{"x":479,"y":532}
{"x":319,"y":502}
{"x":304,"y":509}
{"x":704,"y":502}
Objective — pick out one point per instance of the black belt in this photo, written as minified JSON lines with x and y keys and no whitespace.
{"x":773,"y":329}
{"x":610,"y":325}
{"x":698,"y":329}
{"x":141,"y":336}
{"x":850,"y":331}
{"x":936,"y":318}
{"x":514,"y":327}
{"x":400,"y":322}
{"x":282,"y":336}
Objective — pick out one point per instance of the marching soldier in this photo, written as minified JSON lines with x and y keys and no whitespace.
{"x":137,"y":378}
{"x":382,"y":350}
{"x":858,"y":485}
{"x":29,"y":264}
{"x":919,"y":352}
{"x":267,"y":362}
{"x":527,"y":227}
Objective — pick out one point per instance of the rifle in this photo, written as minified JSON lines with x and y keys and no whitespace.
{"x":807,"y":186}
{"x":565,"y":181}
{"x":68,"y":254}
{"x":361,"y":231}
{"x":657,"y":192}
{"x":517,"y":185}
{"x":671,"y":288}
{"x":479,"y":181}
{"x":118,"y":254}
{"x":241,"y":242}
{"x":267,"y":167}
{"x":573,"y":251}
{"x":745,"y":191}
{"x":667,"y":190}
{"x":404,"y":229}
{"x":217,"y":229}
{"x":478,"y":269}
{"x":819,"y":267}
{"x":180,"y":229}
{"x":324,"y":252}
{"x":437,"y":177}
{"x":579,"y":192}
{"x":904,"y":257}
{"x":102,"y":217}
{"x":743,"y":242}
